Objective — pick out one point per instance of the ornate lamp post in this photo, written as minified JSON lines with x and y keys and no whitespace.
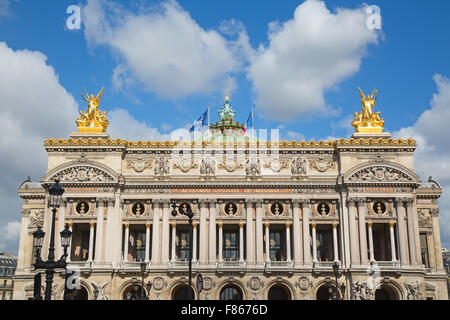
{"x":56,"y":192}
{"x":149,"y":284}
{"x":336,"y":295}
{"x":188,"y":212}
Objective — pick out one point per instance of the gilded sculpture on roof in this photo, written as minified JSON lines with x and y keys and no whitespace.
{"x":368,"y":121}
{"x":93,"y":120}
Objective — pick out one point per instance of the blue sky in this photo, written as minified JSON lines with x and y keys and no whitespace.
{"x":407,"y":60}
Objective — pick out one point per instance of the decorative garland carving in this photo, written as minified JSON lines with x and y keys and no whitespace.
{"x":230,"y":166}
{"x":185,"y":164}
{"x":276,"y":166}
{"x":139,"y":165}
{"x":321,"y":165}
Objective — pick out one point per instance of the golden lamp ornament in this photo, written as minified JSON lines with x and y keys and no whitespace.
{"x":93,"y":120}
{"x":368,"y":121}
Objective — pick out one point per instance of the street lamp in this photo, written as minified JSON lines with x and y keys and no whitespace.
{"x":143,"y":267}
{"x":336,"y":295}
{"x":187,"y":211}
{"x":56,"y":192}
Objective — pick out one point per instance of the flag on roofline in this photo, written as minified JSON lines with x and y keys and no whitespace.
{"x":202,"y":121}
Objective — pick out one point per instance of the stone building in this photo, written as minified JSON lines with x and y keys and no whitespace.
{"x":270,"y":218}
{"x":8,"y":263}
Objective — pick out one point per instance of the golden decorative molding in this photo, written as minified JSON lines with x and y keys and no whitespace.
{"x":283,"y":144}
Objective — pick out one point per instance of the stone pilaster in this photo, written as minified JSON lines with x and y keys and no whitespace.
{"x":296,"y":232}
{"x":165,"y":232}
{"x":250,"y":246}
{"x":259,"y":232}
{"x":306,"y":211}
{"x":411,"y":231}
{"x":401,"y":231}
{"x":203,"y":259}
{"x":362,"y":211}
{"x":212,"y":232}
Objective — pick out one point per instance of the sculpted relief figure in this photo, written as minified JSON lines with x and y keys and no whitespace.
{"x":253,"y":167}
{"x":208,"y":166}
{"x":298,"y":166}
{"x":161,"y":166}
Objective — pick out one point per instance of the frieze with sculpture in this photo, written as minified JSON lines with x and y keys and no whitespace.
{"x":298,"y":166}
{"x":83,"y":174}
{"x":380,"y":174}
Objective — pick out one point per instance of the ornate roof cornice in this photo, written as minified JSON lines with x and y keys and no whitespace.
{"x":283,"y":144}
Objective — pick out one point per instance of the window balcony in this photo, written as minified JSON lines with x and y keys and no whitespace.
{"x":181,"y":265}
{"x":278,"y":266}
{"x":223,"y":266}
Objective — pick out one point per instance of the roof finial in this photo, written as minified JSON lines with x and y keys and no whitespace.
{"x":227,"y":97}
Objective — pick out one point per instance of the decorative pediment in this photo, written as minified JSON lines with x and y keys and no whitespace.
{"x":376,"y":172}
{"x":82,"y":172}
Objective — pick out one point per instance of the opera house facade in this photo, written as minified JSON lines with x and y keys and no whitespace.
{"x":271,"y":218}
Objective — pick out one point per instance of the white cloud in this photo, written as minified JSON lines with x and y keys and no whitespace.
{"x":306,"y":56}
{"x":34,"y":106}
{"x":124,"y":126}
{"x":164,"y":49}
{"x":432,"y":157}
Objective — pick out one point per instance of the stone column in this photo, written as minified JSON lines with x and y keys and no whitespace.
{"x":296,"y":231}
{"x":174,"y":241}
{"x":411,"y":232}
{"x":259,"y":232}
{"x":203,"y":234}
{"x":156,"y":235}
{"x":241,"y":241}
{"x":352,"y":228}
{"x":194,"y":241}
{"x":314,"y":243}
{"x":220,"y":241}
{"x":212,"y":232}
{"x":369,"y":228}
{"x":250,"y":246}
{"x":335,"y":242}
{"x":401,"y":231}
{"x":69,"y":249}
{"x":288,"y":241}
{"x":99,"y":233}
{"x":147,"y":242}
{"x":165,"y":232}
{"x":362,"y":230}
{"x":306,"y":240}
{"x":437,"y":240}
{"x":267,"y":242}
{"x":91,"y":240}
{"x":391,"y":230}
{"x":59,"y":228}
{"x":125,"y":242}
{"x":110,"y":231}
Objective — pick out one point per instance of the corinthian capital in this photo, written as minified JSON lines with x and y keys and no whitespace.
{"x":351,"y":202}
{"x":304,"y":203}
{"x":409,"y":202}
{"x":399,"y":202}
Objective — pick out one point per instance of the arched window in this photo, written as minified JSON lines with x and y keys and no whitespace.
{"x":182,"y":293}
{"x":324,"y":292}
{"x":385,"y":293}
{"x":231,"y":293}
{"x":78,"y":294}
{"x":278,"y":292}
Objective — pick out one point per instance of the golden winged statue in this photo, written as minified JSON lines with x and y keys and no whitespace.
{"x":92,"y":120}
{"x":368,"y":121}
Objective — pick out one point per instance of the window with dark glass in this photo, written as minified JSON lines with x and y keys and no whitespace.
{"x":183,"y":245}
{"x":424,"y":250}
{"x":80,"y":242}
{"x":136,"y":243}
{"x":276,"y":246}
{"x":230,"y":293}
{"x":230,"y":245}
{"x":381,"y":242}
{"x":324,"y":243}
